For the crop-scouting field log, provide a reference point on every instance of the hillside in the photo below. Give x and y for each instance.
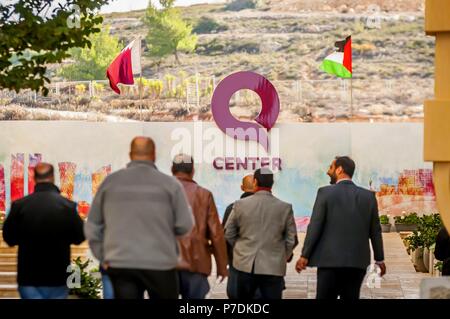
(286, 40)
(346, 5)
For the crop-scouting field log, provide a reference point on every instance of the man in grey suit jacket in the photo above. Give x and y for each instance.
(344, 219)
(261, 228)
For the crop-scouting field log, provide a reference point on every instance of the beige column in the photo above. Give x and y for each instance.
(437, 111)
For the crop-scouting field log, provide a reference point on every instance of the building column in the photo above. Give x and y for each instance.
(437, 111)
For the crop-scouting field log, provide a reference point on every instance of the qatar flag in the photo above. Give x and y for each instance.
(127, 63)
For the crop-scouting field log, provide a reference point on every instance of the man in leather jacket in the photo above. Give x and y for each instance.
(206, 238)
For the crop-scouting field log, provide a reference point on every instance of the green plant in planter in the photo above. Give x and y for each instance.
(90, 285)
(415, 240)
(429, 226)
(408, 219)
(438, 265)
(384, 219)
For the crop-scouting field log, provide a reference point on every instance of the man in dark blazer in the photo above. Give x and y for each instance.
(44, 225)
(344, 219)
(442, 250)
(247, 188)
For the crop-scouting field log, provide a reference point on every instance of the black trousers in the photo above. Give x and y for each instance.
(342, 282)
(132, 283)
(247, 285)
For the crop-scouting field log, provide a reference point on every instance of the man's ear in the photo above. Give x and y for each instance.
(242, 187)
(255, 184)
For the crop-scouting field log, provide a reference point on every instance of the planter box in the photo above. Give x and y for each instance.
(417, 258)
(386, 228)
(426, 259)
(405, 227)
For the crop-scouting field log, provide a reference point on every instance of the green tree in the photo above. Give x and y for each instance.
(35, 33)
(168, 33)
(90, 63)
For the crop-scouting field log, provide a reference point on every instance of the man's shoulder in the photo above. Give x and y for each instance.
(203, 191)
(256, 199)
(36, 199)
(366, 192)
(281, 203)
(158, 176)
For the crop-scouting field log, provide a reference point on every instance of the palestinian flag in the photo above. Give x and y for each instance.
(340, 62)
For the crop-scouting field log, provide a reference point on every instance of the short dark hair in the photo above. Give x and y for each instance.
(39, 176)
(182, 163)
(347, 164)
(264, 177)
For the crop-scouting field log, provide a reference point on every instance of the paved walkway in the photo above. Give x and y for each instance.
(401, 280)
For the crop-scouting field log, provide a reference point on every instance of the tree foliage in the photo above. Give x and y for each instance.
(90, 63)
(35, 33)
(168, 33)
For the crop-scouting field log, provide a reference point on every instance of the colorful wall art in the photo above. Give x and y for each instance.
(388, 157)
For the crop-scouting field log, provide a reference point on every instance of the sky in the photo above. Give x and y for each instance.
(128, 5)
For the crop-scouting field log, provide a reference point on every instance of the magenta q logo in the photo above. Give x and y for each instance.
(264, 121)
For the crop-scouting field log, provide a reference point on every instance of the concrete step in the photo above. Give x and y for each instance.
(12, 258)
(8, 278)
(8, 291)
(8, 250)
(8, 267)
(74, 249)
(8, 257)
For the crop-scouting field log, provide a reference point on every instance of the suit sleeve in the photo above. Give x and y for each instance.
(184, 220)
(375, 232)
(76, 227)
(232, 226)
(217, 237)
(11, 226)
(291, 233)
(95, 225)
(315, 227)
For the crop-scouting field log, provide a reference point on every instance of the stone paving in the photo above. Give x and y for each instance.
(400, 282)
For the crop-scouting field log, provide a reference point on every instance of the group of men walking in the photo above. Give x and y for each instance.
(156, 233)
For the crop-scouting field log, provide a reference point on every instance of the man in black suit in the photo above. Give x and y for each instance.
(247, 188)
(344, 219)
(44, 225)
(442, 250)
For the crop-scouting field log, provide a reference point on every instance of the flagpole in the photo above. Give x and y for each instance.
(140, 79)
(351, 97)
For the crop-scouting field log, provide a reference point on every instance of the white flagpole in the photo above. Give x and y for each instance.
(140, 79)
(351, 97)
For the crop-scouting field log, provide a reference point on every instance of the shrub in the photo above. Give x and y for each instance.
(384, 219)
(208, 25)
(99, 87)
(238, 5)
(80, 88)
(427, 230)
(155, 88)
(408, 219)
(90, 286)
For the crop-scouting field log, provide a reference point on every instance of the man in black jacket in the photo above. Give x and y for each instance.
(44, 225)
(344, 219)
(247, 188)
(442, 250)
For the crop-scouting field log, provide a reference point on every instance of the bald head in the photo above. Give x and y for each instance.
(44, 173)
(247, 184)
(142, 149)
